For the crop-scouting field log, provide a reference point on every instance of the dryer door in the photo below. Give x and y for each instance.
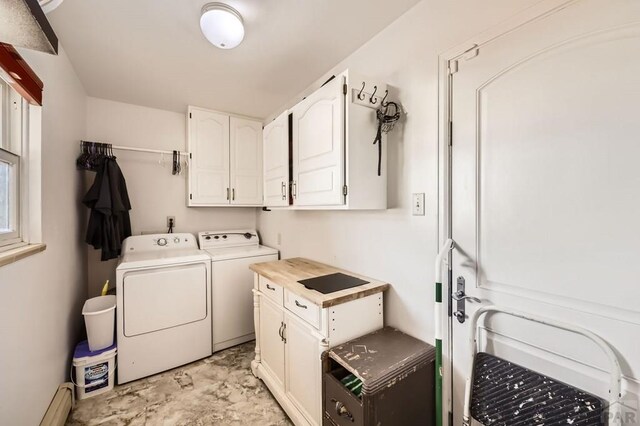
(164, 297)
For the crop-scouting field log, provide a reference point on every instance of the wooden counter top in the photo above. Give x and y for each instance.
(288, 272)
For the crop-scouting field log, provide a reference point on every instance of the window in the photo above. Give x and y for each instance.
(12, 109)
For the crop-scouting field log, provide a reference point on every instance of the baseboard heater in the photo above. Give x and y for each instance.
(60, 407)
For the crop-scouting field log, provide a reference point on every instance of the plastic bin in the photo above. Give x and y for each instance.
(99, 317)
(93, 370)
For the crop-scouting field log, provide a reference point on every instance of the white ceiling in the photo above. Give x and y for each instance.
(152, 53)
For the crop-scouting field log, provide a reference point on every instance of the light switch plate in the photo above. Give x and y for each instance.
(418, 204)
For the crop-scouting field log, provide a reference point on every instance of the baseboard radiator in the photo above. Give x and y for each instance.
(60, 407)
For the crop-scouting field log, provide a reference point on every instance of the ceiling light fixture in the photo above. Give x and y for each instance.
(222, 25)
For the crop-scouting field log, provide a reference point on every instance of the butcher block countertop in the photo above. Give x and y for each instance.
(288, 272)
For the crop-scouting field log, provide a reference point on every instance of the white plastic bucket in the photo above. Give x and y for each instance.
(94, 372)
(99, 317)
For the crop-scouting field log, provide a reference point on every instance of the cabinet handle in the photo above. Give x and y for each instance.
(227, 193)
(283, 190)
(280, 331)
(300, 305)
(341, 410)
(271, 288)
(233, 194)
(284, 330)
(295, 189)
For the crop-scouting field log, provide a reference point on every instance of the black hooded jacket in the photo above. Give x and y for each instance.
(108, 199)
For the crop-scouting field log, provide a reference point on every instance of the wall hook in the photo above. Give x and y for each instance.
(383, 103)
(360, 95)
(371, 99)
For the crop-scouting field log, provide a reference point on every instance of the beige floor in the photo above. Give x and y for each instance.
(219, 390)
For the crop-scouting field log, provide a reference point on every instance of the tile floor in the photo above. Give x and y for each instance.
(219, 390)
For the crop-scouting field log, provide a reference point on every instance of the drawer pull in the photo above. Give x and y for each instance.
(341, 410)
(270, 288)
(300, 305)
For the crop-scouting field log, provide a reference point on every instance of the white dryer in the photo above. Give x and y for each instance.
(163, 294)
(232, 283)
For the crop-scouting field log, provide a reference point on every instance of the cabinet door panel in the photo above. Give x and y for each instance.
(209, 166)
(318, 147)
(303, 380)
(246, 162)
(271, 345)
(276, 162)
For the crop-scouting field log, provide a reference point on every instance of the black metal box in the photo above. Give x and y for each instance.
(386, 378)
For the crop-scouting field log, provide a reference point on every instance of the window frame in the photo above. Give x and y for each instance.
(13, 151)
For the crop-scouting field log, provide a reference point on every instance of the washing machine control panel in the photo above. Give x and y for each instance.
(222, 239)
(159, 242)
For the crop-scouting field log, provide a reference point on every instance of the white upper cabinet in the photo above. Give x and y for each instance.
(318, 147)
(334, 163)
(209, 165)
(276, 162)
(246, 162)
(225, 166)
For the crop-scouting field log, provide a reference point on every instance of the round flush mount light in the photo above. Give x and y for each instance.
(48, 5)
(222, 25)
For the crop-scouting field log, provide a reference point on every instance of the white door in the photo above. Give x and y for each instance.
(545, 194)
(303, 376)
(209, 165)
(318, 147)
(271, 340)
(276, 161)
(246, 162)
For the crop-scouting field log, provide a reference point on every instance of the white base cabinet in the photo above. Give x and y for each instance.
(292, 333)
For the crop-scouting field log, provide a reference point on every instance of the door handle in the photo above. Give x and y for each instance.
(341, 410)
(460, 297)
(300, 305)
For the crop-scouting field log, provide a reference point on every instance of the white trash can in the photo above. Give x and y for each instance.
(99, 317)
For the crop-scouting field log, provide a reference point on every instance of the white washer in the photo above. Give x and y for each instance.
(163, 304)
(232, 283)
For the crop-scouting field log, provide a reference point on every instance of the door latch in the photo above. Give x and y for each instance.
(460, 297)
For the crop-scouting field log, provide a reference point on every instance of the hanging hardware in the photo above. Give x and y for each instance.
(360, 95)
(383, 103)
(371, 99)
(91, 152)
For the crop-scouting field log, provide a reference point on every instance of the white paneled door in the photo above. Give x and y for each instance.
(246, 161)
(318, 147)
(545, 193)
(209, 148)
(276, 161)
(271, 339)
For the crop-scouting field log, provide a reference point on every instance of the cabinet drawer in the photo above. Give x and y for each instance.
(302, 308)
(272, 290)
(340, 405)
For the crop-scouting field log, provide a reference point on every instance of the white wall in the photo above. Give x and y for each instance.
(41, 296)
(392, 245)
(154, 192)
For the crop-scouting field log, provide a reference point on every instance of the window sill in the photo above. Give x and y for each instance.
(13, 255)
